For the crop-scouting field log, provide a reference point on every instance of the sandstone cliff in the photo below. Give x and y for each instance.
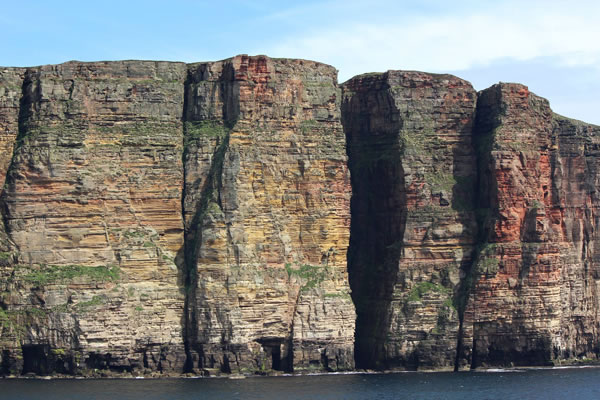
(170, 217)
(473, 225)
(231, 216)
(413, 227)
(92, 206)
(535, 289)
(267, 217)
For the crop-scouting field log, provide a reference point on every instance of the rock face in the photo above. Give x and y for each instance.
(11, 80)
(231, 216)
(267, 217)
(413, 225)
(166, 217)
(473, 225)
(92, 205)
(535, 293)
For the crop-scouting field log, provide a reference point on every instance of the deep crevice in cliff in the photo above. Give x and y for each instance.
(487, 121)
(193, 243)
(210, 193)
(482, 141)
(25, 102)
(378, 219)
(187, 270)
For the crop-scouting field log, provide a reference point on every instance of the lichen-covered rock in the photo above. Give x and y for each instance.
(267, 217)
(413, 222)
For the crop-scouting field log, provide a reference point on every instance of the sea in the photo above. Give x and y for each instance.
(505, 384)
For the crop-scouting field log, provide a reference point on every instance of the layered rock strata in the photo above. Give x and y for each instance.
(11, 81)
(535, 294)
(267, 216)
(212, 218)
(92, 206)
(166, 217)
(413, 223)
(473, 226)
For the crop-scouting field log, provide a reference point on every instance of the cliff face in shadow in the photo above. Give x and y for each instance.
(251, 215)
(413, 222)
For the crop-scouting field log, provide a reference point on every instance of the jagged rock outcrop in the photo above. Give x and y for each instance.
(210, 218)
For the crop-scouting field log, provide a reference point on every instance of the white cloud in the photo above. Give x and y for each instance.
(569, 33)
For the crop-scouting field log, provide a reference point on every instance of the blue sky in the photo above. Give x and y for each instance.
(552, 46)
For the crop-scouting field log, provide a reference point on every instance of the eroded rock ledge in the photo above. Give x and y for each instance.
(212, 218)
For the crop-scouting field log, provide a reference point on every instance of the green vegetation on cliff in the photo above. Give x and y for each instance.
(45, 275)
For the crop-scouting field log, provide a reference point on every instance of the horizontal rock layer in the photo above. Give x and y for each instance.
(413, 222)
(170, 217)
(535, 294)
(214, 217)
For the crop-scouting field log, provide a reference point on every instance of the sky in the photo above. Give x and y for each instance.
(551, 46)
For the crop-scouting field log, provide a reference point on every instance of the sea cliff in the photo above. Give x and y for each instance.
(252, 215)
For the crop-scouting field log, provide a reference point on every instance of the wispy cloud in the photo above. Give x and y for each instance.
(519, 31)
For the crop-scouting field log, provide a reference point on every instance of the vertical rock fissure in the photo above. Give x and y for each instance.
(486, 123)
(196, 130)
(11, 361)
(481, 140)
(468, 270)
(24, 115)
(193, 243)
(378, 218)
(289, 360)
(186, 272)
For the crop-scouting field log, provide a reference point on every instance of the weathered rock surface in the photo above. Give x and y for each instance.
(211, 218)
(11, 80)
(267, 217)
(413, 225)
(92, 203)
(535, 294)
(453, 264)
(166, 217)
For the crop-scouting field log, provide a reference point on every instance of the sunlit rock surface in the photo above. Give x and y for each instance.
(252, 216)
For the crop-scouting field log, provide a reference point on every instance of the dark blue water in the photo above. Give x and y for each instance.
(579, 384)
